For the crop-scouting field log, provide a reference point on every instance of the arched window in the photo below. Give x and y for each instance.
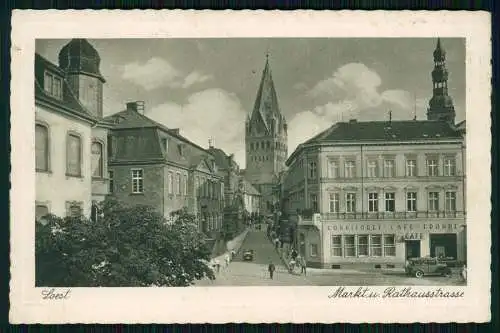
(97, 159)
(41, 148)
(74, 155)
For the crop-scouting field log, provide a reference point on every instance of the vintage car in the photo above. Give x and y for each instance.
(248, 255)
(420, 267)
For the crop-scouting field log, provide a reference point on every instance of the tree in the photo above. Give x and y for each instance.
(127, 247)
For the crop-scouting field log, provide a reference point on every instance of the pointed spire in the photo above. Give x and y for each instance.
(439, 52)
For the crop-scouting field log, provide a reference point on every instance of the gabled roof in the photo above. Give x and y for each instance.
(69, 101)
(266, 102)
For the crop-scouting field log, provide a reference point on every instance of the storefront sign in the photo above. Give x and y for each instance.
(413, 236)
(393, 227)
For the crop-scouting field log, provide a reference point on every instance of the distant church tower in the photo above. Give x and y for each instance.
(441, 105)
(265, 140)
(81, 63)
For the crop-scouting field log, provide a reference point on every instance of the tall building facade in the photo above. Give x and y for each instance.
(266, 141)
(70, 133)
(378, 192)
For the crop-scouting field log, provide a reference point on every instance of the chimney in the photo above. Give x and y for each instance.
(210, 143)
(176, 131)
(137, 106)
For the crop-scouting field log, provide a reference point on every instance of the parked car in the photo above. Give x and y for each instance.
(420, 267)
(248, 255)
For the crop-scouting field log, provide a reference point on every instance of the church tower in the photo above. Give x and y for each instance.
(265, 139)
(81, 63)
(441, 105)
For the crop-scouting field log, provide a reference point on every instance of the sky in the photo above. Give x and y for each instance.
(207, 87)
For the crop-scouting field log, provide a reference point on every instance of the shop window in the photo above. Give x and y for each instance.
(362, 245)
(349, 169)
(376, 245)
(373, 202)
(389, 246)
(390, 201)
(450, 201)
(349, 248)
(433, 201)
(333, 168)
(314, 250)
(411, 201)
(350, 202)
(334, 202)
(137, 181)
(389, 168)
(411, 168)
(449, 166)
(372, 169)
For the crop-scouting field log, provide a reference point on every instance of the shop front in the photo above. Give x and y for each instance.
(391, 242)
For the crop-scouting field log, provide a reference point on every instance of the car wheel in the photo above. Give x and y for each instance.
(419, 274)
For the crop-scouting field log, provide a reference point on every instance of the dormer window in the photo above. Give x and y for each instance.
(53, 85)
(164, 143)
(181, 149)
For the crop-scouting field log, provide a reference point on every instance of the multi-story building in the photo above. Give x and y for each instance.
(251, 198)
(154, 165)
(228, 169)
(381, 191)
(265, 141)
(70, 135)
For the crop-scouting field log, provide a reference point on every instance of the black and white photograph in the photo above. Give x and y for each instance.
(185, 163)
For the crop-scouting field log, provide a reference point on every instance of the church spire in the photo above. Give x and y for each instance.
(441, 105)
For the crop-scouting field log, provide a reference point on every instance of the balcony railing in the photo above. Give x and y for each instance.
(392, 215)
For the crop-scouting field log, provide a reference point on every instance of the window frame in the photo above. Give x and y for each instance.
(375, 246)
(434, 200)
(371, 168)
(412, 166)
(450, 169)
(311, 252)
(102, 162)
(388, 200)
(334, 202)
(312, 169)
(74, 134)
(373, 201)
(435, 167)
(366, 245)
(334, 246)
(333, 168)
(449, 200)
(349, 247)
(350, 204)
(47, 146)
(411, 200)
(389, 162)
(391, 246)
(349, 169)
(139, 179)
(53, 78)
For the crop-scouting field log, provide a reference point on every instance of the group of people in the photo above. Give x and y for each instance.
(215, 264)
(296, 260)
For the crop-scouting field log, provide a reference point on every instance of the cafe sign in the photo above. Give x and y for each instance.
(412, 229)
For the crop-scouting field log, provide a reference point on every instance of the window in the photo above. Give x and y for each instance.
(314, 250)
(170, 183)
(164, 144)
(334, 202)
(349, 249)
(74, 155)
(450, 201)
(376, 245)
(389, 246)
(312, 170)
(390, 201)
(373, 202)
(314, 203)
(181, 149)
(75, 209)
(449, 166)
(41, 211)
(333, 169)
(411, 168)
(185, 182)
(111, 183)
(349, 169)
(432, 167)
(178, 184)
(433, 201)
(350, 202)
(336, 246)
(97, 159)
(41, 148)
(362, 245)
(372, 169)
(389, 168)
(411, 201)
(137, 181)
(53, 85)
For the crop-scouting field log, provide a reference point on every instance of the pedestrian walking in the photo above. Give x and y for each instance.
(217, 265)
(276, 243)
(271, 268)
(227, 258)
(303, 265)
(232, 254)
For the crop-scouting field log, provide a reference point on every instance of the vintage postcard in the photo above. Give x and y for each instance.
(307, 166)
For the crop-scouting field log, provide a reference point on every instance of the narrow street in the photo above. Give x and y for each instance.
(254, 273)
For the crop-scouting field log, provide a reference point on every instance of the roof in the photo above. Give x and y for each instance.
(69, 101)
(221, 158)
(79, 56)
(406, 130)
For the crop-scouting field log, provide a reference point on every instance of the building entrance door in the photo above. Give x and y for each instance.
(412, 248)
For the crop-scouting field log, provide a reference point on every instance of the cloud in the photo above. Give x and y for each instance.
(352, 91)
(211, 113)
(158, 72)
